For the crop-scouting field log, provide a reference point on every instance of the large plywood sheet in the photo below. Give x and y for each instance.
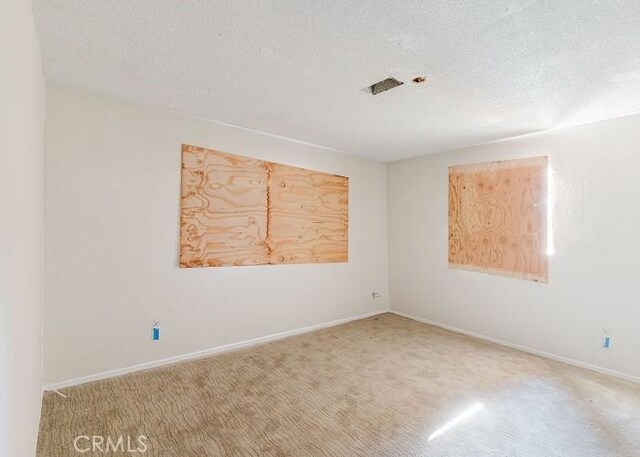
(309, 216)
(498, 218)
(241, 211)
(223, 211)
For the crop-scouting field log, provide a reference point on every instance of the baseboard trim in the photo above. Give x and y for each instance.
(204, 352)
(529, 350)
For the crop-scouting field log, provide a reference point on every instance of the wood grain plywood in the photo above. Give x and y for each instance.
(498, 218)
(223, 209)
(309, 215)
(241, 211)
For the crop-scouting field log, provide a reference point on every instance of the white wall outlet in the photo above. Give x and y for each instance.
(375, 295)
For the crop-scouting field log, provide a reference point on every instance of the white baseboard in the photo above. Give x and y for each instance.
(547, 355)
(204, 352)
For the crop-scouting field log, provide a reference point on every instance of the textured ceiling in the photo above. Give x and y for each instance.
(495, 68)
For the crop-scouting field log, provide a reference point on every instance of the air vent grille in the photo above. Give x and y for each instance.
(384, 85)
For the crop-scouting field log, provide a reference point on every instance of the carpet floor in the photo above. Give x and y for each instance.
(382, 386)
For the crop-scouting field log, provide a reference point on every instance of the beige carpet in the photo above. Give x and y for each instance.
(383, 386)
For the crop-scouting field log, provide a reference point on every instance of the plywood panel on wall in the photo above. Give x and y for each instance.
(309, 215)
(498, 217)
(223, 217)
(241, 211)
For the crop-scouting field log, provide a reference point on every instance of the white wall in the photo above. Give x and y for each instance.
(21, 229)
(112, 229)
(594, 273)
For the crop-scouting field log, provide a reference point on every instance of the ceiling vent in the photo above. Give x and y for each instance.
(384, 85)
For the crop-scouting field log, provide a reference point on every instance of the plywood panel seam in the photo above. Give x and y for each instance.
(267, 240)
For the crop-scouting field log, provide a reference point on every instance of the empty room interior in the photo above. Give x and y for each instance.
(270, 228)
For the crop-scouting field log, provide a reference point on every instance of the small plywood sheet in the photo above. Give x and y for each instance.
(498, 218)
(241, 211)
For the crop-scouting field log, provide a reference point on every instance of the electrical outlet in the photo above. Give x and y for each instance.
(375, 295)
(606, 341)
